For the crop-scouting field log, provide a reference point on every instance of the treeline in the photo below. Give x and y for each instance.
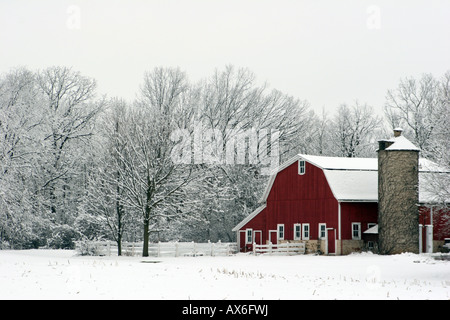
(74, 165)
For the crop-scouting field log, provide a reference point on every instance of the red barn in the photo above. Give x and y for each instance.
(331, 204)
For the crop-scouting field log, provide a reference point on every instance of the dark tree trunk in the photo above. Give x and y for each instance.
(149, 195)
(146, 237)
(119, 245)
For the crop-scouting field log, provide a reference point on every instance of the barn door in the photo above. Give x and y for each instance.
(258, 236)
(331, 241)
(273, 236)
(242, 240)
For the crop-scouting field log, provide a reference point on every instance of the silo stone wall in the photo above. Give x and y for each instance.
(398, 198)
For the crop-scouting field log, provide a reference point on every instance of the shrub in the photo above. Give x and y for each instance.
(86, 247)
(63, 237)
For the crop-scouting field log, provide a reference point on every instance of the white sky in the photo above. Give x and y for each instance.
(326, 52)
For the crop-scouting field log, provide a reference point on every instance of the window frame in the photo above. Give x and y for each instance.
(320, 237)
(306, 231)
(358, 237)
(247, 236)
(280, 236)
(299, 237)
(301, 167)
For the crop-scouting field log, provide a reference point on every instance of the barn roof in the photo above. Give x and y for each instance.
(356, 179)
(248, 218)
(341, 163)
(372, 230)
(350, 185)
(350, 179)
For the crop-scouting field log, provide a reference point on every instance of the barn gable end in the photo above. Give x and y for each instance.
(300, 198)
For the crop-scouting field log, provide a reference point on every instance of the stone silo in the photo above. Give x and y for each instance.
(398, 195)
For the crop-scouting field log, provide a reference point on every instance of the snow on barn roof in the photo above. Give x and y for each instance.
(356, 179)
(353, 185)
(372, 230)
(341, 163)
(428, 166)
(350, 179)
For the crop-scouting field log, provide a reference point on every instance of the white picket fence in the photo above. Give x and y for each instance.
(157, 249)
(281, 248)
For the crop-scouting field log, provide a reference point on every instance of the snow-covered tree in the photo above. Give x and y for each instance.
(153, 183)
(105, 194)
(415, 106)
(20, 122)
(422, 107)
(354, 130)
(243, 116)
(68, 109)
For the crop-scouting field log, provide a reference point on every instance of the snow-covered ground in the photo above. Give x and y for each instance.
(57, 274)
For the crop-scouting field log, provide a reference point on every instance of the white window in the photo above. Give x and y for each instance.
(301, 167)
(356, 230)
(305, 235)
(249, 236)
(297, 231)
(322, 230)
(280, 233)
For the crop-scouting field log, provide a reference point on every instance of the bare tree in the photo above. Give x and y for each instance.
(153, 183)
(244, 114)
(19, 130)
(233, 102)
(440, 139)
(106, 194)
(69, 111)
(315, 139)
(438, 182)
(353, 130)
(415, 106)
(18, 116)
(422, 107)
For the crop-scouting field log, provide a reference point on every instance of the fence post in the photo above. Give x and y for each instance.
(270, 247)
(176, 248)
(219, 243)
(158, 250)
(254, 248)
(211, 249)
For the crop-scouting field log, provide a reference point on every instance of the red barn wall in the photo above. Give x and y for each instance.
(441, 227)
(307, 198)
(363, 212)
(296, 198)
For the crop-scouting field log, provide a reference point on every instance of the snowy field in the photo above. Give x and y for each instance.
(57, 274)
